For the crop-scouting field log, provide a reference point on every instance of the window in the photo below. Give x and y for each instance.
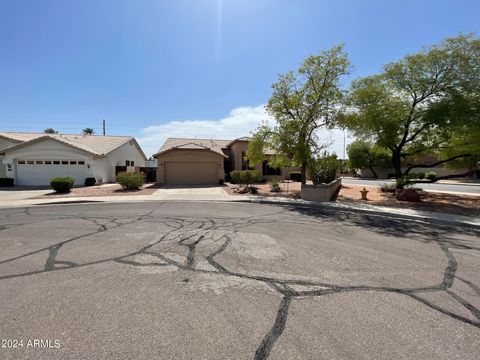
(127, 162)
(48, 162)
(244, 162)
(21, 162)
(268, 170)
(56, 162)
(39, 162)
(73, 163)
(64, 162)
(81, 162)
(30, 162)
(132, 163)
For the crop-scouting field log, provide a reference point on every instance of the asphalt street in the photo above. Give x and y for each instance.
(451, 188)
(204, 280)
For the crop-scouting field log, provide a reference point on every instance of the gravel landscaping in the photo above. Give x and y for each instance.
(102, 190)
(429, 201)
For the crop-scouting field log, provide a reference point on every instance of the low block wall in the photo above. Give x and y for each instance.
(320, 192)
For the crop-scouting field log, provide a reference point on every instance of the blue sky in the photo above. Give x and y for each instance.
(154, 69)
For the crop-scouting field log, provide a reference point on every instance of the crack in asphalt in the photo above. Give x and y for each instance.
(192, 232)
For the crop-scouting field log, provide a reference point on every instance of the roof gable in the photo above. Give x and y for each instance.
(94, 144)
(215, 146)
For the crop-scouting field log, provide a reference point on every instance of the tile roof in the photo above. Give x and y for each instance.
(95, 144)
(191, 144)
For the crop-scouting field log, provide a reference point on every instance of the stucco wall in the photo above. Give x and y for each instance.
(95, 167)
(383, 173)
(105, 167)
(188, 156)
(3, 167)
(46, 150)
(236, 150)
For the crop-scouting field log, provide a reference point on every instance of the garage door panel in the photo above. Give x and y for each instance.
(191, 173)
(31, 175)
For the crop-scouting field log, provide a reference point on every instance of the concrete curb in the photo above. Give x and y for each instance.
(377, 210)
(382, 210)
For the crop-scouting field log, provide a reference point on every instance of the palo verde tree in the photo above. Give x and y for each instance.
(302, 102)
(425, 104)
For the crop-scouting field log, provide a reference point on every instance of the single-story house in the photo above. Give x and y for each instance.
(34, 158)
(182, 161)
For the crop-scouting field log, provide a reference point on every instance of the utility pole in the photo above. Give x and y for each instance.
(103, 127)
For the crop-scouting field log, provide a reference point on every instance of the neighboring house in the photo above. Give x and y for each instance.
(184, 161)
(34, 158)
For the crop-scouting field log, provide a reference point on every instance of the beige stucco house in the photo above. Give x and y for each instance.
(183, 161)
(34, 158)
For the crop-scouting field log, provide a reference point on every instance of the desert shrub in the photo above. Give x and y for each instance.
(295, 176)
(412, 175)
(245, 177)
(90, 181)
(402, 182)
(62, 184)
(130, 180)
(388, 188)
(421, 175)
(407, 195)
(250, 177)
(431, 175)
(275, 185)
(323, 170)
(6, 182)
(235, 176)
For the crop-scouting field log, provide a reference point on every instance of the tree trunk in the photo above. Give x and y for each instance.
(396, 163)
(375, 176)
(303, 172)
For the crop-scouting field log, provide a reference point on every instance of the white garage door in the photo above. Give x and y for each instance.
(39, 172)
(191, 173)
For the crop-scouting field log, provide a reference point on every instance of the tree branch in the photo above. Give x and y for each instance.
(436, 163)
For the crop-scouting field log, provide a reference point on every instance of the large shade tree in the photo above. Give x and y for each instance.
(301, 103)
(425, 104)
(364, 155)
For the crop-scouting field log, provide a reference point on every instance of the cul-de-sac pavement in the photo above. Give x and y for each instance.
(206, 280)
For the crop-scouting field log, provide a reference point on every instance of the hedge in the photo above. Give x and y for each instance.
(62, 184)
(130, 180)
(245, 177)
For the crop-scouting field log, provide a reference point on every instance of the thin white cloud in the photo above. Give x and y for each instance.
(241, 121)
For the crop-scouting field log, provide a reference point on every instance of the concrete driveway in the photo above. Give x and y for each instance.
(22, 193)
(173, 280)
(190, 193)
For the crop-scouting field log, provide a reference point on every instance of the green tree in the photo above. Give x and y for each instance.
(88, 131)
(364, 155)
(302, 102)
(50, 131)
(424, 104)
